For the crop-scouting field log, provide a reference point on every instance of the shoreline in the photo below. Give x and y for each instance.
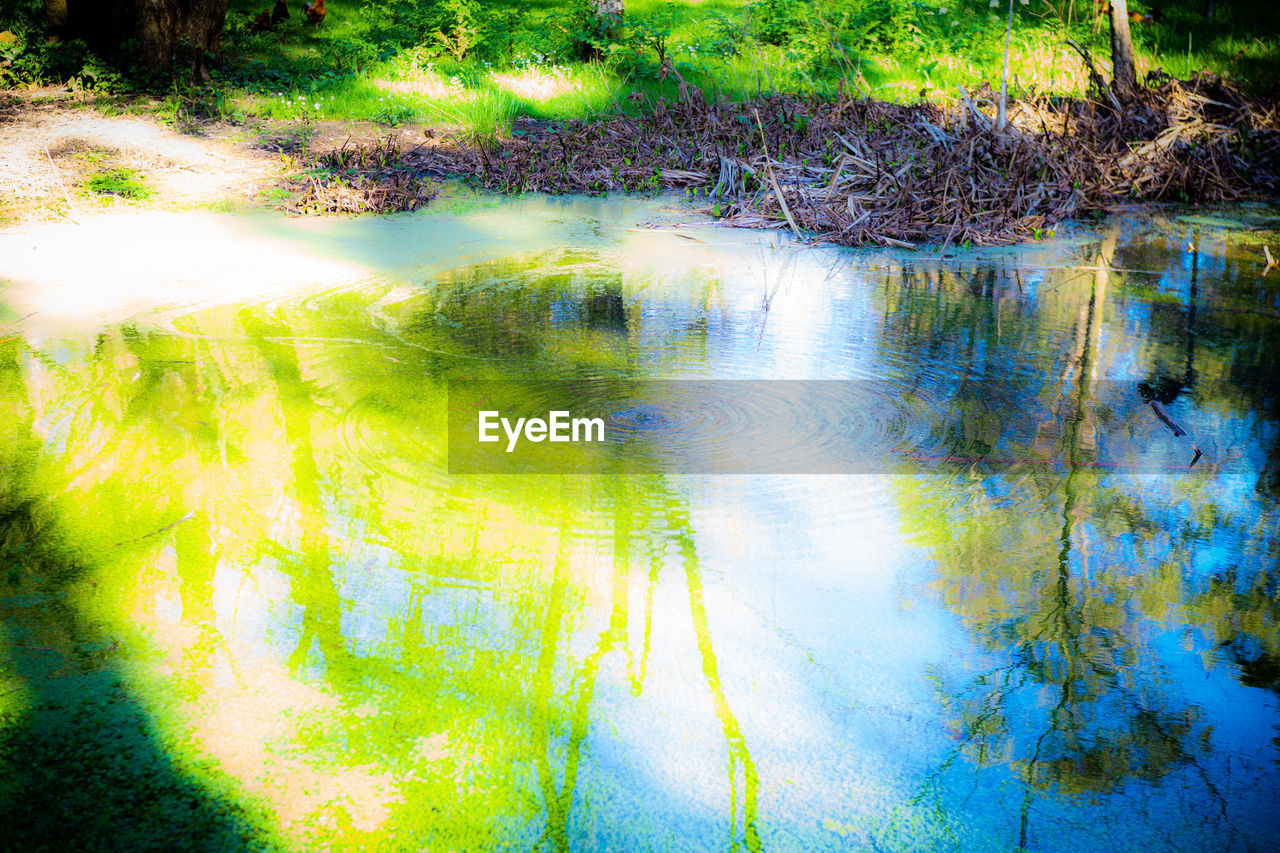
(859, 172)
(850, 172)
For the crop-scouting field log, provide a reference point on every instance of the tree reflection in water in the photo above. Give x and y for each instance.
(1083, 705)
(386, 657)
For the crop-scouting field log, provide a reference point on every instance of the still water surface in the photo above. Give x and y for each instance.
(244, 602)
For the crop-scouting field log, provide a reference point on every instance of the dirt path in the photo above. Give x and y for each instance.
(50, 145)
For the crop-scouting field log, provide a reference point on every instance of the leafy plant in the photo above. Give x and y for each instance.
(353, 54)
(777, 21)
(463, 27)
(594, 34)
(646, 37)
(394, 114)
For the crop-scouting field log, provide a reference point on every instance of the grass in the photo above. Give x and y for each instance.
(122, 182)
(464, 94)
(717, 45)
(402, 61)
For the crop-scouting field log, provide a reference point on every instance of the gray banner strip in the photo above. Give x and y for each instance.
(593, 426)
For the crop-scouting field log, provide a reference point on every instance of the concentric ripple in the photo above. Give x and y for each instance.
(781, 427)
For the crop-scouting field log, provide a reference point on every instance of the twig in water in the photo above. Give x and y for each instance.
(777, 191)
(1178, 431)
(1163, 415)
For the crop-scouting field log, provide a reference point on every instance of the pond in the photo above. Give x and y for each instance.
(249, 600)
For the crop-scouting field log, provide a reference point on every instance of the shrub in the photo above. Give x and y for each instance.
(778, 21)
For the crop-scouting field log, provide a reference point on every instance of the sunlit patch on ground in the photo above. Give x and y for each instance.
(46, 151)
(537, 84)
(428, 84)
(112, 270)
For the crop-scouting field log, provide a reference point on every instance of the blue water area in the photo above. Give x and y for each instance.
(986, 598)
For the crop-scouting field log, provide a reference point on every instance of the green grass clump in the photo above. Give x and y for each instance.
(122, 182)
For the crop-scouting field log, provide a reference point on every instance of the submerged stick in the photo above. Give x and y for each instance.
(1178, 431)
(1163, 415)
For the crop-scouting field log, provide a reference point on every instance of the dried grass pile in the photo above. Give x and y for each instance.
(362, 178)
(1198, 140)
(855, 171)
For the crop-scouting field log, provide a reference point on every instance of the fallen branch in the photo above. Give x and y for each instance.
(1094, 76)
(1163, 415)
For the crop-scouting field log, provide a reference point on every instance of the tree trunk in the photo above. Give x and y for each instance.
(1123, 70)
(165, 26)
(610, 8)
(204, 32)
(610, 12)
(56, 11)
(603, 19)
(157, 24)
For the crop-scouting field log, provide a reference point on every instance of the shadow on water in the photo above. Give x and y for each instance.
(82, 765)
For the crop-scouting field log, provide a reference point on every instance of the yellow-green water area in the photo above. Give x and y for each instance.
(245, 605)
